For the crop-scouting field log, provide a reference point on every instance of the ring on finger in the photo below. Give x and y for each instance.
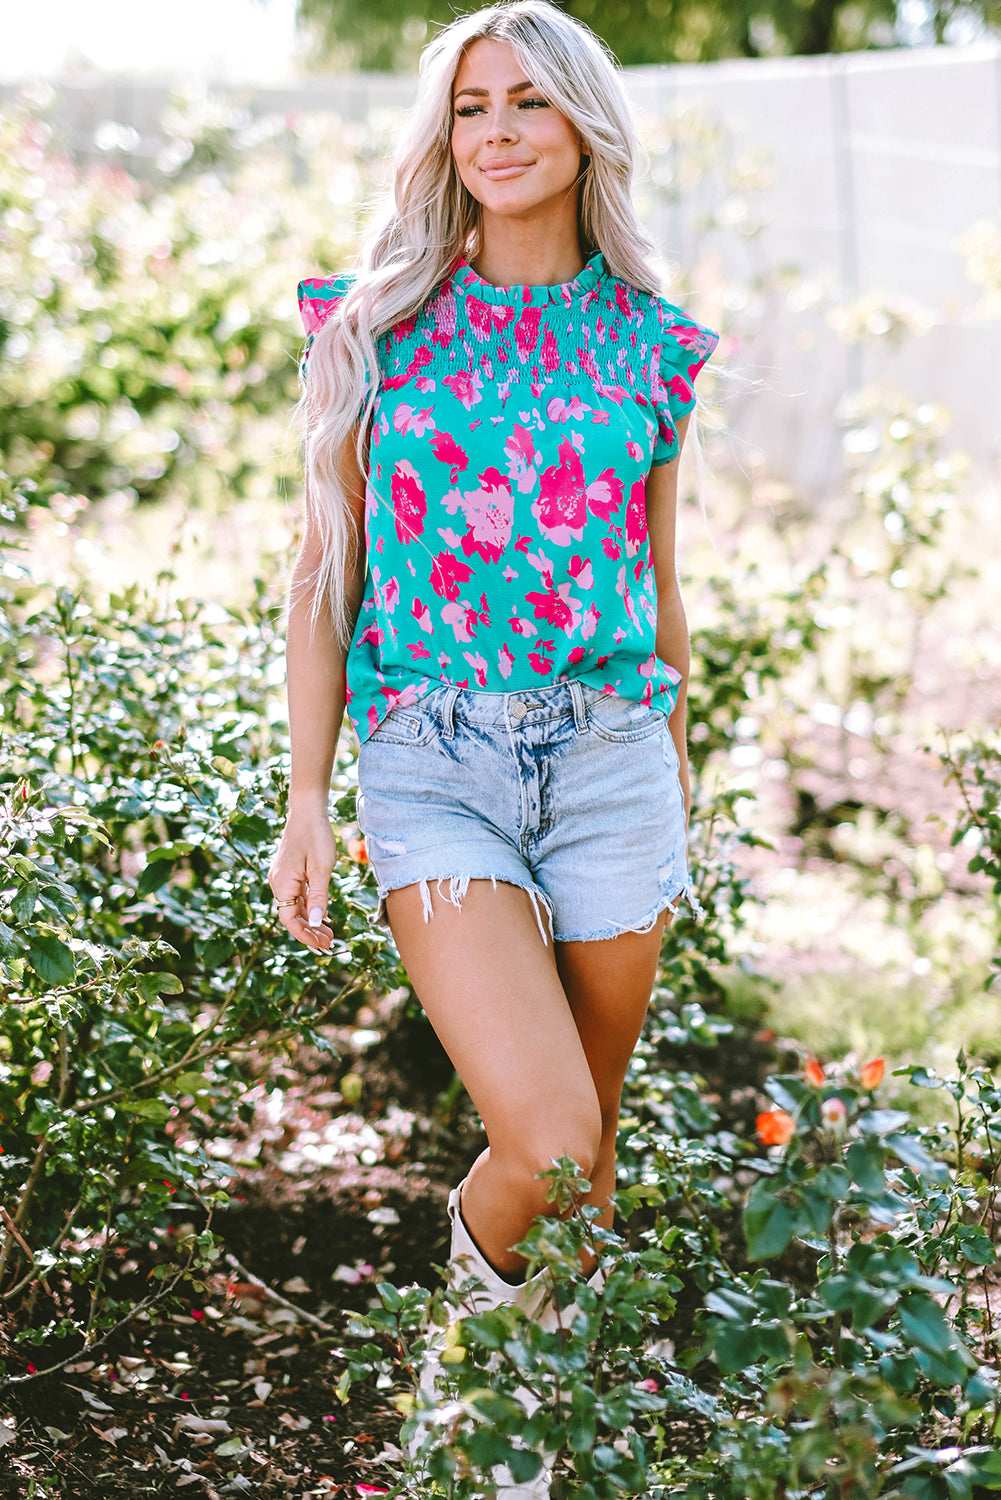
(294, 902)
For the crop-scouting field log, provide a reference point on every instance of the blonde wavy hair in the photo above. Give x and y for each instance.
(433, 220)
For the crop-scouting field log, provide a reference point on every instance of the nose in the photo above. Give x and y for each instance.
(500, 128)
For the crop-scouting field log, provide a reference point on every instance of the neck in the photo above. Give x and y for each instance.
(513, 253)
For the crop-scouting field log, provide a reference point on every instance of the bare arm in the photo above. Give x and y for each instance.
(315, 663)
(672, 644)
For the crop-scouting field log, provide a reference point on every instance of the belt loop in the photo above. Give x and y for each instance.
(448, 713)
(579, 706)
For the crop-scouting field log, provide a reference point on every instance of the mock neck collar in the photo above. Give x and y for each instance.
(465, 280)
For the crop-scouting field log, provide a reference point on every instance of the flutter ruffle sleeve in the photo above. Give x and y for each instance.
(684, 348)
(318, 298)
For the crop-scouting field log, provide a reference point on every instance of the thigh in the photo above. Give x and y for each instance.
(490, 987)
(608, 986)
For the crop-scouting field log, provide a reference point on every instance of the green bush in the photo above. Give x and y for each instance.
(142, 780)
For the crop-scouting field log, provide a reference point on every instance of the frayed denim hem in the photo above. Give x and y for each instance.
(645, 924)
(453, 888)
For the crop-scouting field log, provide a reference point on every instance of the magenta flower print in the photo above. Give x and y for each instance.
(580, 569)
(557, 607)
(636, 528)
(542, 664)
(554, 404)
(561, 509)
(526, 331)
(447, 574)
(604, 496)
(465, 386)
(489, 513)
(409, 501)
(559, 410)
(406, 419)
(447, 451)
(485, 317)
(521, 459)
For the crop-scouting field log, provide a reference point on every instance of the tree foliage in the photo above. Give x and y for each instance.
(387, 35)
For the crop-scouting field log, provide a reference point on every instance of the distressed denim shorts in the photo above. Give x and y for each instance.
(568, 792)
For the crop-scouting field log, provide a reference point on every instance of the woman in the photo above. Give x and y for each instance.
(487, 582)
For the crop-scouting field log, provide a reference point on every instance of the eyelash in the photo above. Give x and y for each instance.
(466, 111)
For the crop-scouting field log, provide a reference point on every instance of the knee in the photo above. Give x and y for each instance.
(575, 1133)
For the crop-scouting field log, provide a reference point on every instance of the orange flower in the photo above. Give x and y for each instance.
(872, 1073)
(775, 1127)
(357, 850)
(814, 1073)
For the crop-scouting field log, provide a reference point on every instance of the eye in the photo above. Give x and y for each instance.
(464, 111)
(533, 104)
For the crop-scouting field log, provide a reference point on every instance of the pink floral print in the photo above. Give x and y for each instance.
(505, 518)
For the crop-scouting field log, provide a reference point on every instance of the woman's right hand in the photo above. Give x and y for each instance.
(300, 876)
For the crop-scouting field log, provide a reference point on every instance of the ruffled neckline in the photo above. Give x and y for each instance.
(465, 279)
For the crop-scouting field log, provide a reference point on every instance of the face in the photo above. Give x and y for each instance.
(517, 155)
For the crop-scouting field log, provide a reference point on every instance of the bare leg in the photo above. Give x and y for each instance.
(608, 985)
(491, 991)
(541, 1074)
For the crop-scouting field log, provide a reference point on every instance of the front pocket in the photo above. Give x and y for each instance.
(405, 726)
(622, 719)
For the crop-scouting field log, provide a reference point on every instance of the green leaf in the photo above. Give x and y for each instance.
(158, 983)
(154, 1110)
(51, 959)
(23, 904)
(768, 1223)
(914, 1155)
(865, 1163)
(154, 876)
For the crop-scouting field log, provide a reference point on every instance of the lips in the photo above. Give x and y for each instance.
(499, 167)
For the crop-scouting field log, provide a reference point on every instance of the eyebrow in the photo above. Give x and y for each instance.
(516, 88)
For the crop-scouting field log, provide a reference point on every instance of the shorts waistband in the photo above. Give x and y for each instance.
(526, 706)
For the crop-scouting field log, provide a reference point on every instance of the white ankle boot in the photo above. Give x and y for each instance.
(465, 1264)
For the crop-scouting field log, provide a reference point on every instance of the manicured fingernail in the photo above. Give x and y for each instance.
(315, 917)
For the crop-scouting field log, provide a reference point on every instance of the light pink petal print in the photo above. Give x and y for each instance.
(521, 459)
(604, 496)
(457, 616)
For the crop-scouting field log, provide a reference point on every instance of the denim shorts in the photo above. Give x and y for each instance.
(568, 792)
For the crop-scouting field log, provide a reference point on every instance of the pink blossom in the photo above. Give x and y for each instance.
(409, 501)
(550, 353)
(406, 419)
(580, 569)
(457, 615)
(636, 527)
(562, 411)
(576, 655)
(418, 650)
(465, 386)
(589, 623)
(542, 664)
(505, 661)
(522, 627)
(561, 509)
(489, 513)
(447, 451)
(526, 331)
(479, 666)
(557, 607)
(447, 574)
(422, 615)
(521, 458)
